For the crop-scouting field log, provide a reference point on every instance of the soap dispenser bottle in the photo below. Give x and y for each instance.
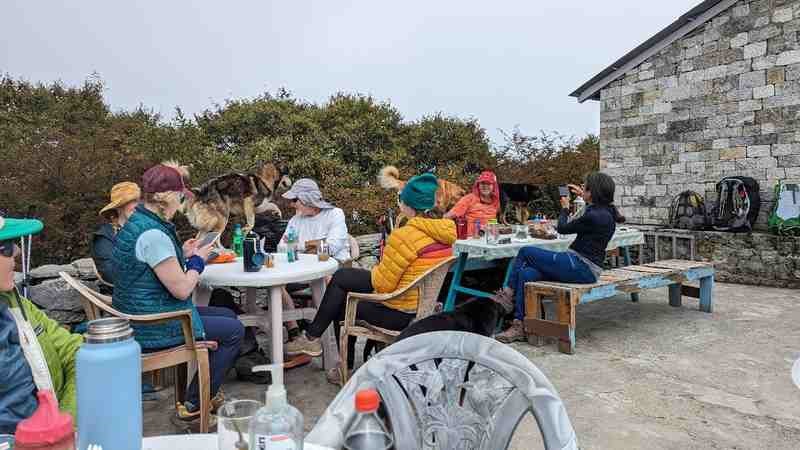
(278, 425)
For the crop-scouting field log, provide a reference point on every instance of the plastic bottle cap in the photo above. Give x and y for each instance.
(47, 425)
(367, 400)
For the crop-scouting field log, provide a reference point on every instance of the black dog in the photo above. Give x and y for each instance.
(476, 315)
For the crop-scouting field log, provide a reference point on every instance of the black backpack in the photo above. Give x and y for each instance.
(688, 211)
(737, 206)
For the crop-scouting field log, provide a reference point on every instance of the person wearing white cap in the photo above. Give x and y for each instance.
(316, 219)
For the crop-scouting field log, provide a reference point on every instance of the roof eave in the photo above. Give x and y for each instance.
(684, 25)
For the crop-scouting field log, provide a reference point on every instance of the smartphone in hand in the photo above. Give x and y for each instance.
(563, 191)
(209, 238)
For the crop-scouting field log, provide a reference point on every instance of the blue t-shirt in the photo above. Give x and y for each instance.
(17, 389)
(153, 247)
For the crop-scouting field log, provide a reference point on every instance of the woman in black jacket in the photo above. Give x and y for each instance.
(124, 198)
(582, 262)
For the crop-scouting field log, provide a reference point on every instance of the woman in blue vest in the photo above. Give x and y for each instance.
(154, 273)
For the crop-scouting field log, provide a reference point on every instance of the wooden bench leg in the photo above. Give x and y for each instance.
(675, 294)
(565, 314)
(707, 294)
(626, 254)
(533, 309)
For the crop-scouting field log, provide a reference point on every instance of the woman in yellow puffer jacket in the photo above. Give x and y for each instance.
(411, 250)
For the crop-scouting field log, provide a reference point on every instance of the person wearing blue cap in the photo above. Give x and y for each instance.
(35, 351)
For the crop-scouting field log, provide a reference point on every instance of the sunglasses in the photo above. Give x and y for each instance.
(7, 248)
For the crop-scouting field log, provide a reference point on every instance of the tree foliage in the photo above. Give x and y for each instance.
(62, 148)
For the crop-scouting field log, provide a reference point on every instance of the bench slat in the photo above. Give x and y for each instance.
(679, 264)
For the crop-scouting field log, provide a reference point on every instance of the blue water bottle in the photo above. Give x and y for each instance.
(109, 383)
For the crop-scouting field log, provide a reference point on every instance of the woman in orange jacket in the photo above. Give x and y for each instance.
(480, 205)
(411, 250)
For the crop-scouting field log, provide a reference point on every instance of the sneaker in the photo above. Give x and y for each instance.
(302, 345)
(190, 420)
(514, 333)
(218, 400)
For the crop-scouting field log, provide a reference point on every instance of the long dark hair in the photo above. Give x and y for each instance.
(602, 188)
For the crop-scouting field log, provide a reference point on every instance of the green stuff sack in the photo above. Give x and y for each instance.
(785, 217)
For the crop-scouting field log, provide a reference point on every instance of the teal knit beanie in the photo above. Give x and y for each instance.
(420, 192)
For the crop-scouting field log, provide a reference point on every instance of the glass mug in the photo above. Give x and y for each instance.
(323, 251)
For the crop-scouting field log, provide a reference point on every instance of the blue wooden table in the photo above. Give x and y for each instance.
(475, 254)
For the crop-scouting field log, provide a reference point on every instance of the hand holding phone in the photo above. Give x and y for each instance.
(563, 191)
(210, 238)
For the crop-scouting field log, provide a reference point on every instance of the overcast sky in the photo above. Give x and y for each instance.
(505, 63)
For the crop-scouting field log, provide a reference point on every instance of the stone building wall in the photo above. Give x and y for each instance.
(723, 100)
(761, 259)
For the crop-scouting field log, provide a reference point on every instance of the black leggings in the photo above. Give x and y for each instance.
(331, 310)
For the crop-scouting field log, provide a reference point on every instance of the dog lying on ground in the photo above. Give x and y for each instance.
(477, 315)
(235, 194)
(446, 196)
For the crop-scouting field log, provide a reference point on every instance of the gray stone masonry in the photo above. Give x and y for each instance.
(721, 101)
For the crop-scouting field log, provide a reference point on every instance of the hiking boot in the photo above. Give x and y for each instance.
(505, 297)
(302, 345)
(514, 333)
(334, 375)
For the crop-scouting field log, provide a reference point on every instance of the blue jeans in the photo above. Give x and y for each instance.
(222, 326)
(536, 264)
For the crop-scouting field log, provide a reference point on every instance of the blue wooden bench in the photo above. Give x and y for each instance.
(672, 273)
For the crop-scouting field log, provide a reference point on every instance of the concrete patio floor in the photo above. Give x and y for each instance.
(643, 376)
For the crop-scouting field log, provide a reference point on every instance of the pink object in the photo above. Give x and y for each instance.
(47, 428)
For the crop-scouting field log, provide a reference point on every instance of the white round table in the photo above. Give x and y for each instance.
(308, 269)
(195, 442)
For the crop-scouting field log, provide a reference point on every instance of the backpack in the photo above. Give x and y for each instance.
(785, 217)
(737, 204)
(688, 211)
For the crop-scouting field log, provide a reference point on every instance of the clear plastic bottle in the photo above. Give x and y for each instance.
(238, 240)
(367, 431)
(291, 245)
(278, 425)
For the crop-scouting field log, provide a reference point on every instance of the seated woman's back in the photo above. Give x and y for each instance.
(410, 251)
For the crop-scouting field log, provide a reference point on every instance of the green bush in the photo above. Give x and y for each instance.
(62, 148)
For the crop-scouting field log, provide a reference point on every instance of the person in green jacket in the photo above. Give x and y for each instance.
(29, 340)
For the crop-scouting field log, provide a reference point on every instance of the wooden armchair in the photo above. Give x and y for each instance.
(428, 285)
(95, 304)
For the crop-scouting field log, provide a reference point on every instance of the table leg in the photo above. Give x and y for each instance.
(250, 306)
(626, 253)
(201, 295)
(330, 354)
(458, 270)
(509, 269)
(276, 311)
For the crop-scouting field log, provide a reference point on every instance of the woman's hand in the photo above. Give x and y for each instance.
(564, 202)
(190, 248)
(203, 252)
(577, 190)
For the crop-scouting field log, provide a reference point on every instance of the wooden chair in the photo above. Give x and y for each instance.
(96, 304)
(428, 285)
(451, 389)
(156, 374)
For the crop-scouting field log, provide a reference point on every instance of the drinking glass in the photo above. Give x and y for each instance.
(233, 423)
(522, 232)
